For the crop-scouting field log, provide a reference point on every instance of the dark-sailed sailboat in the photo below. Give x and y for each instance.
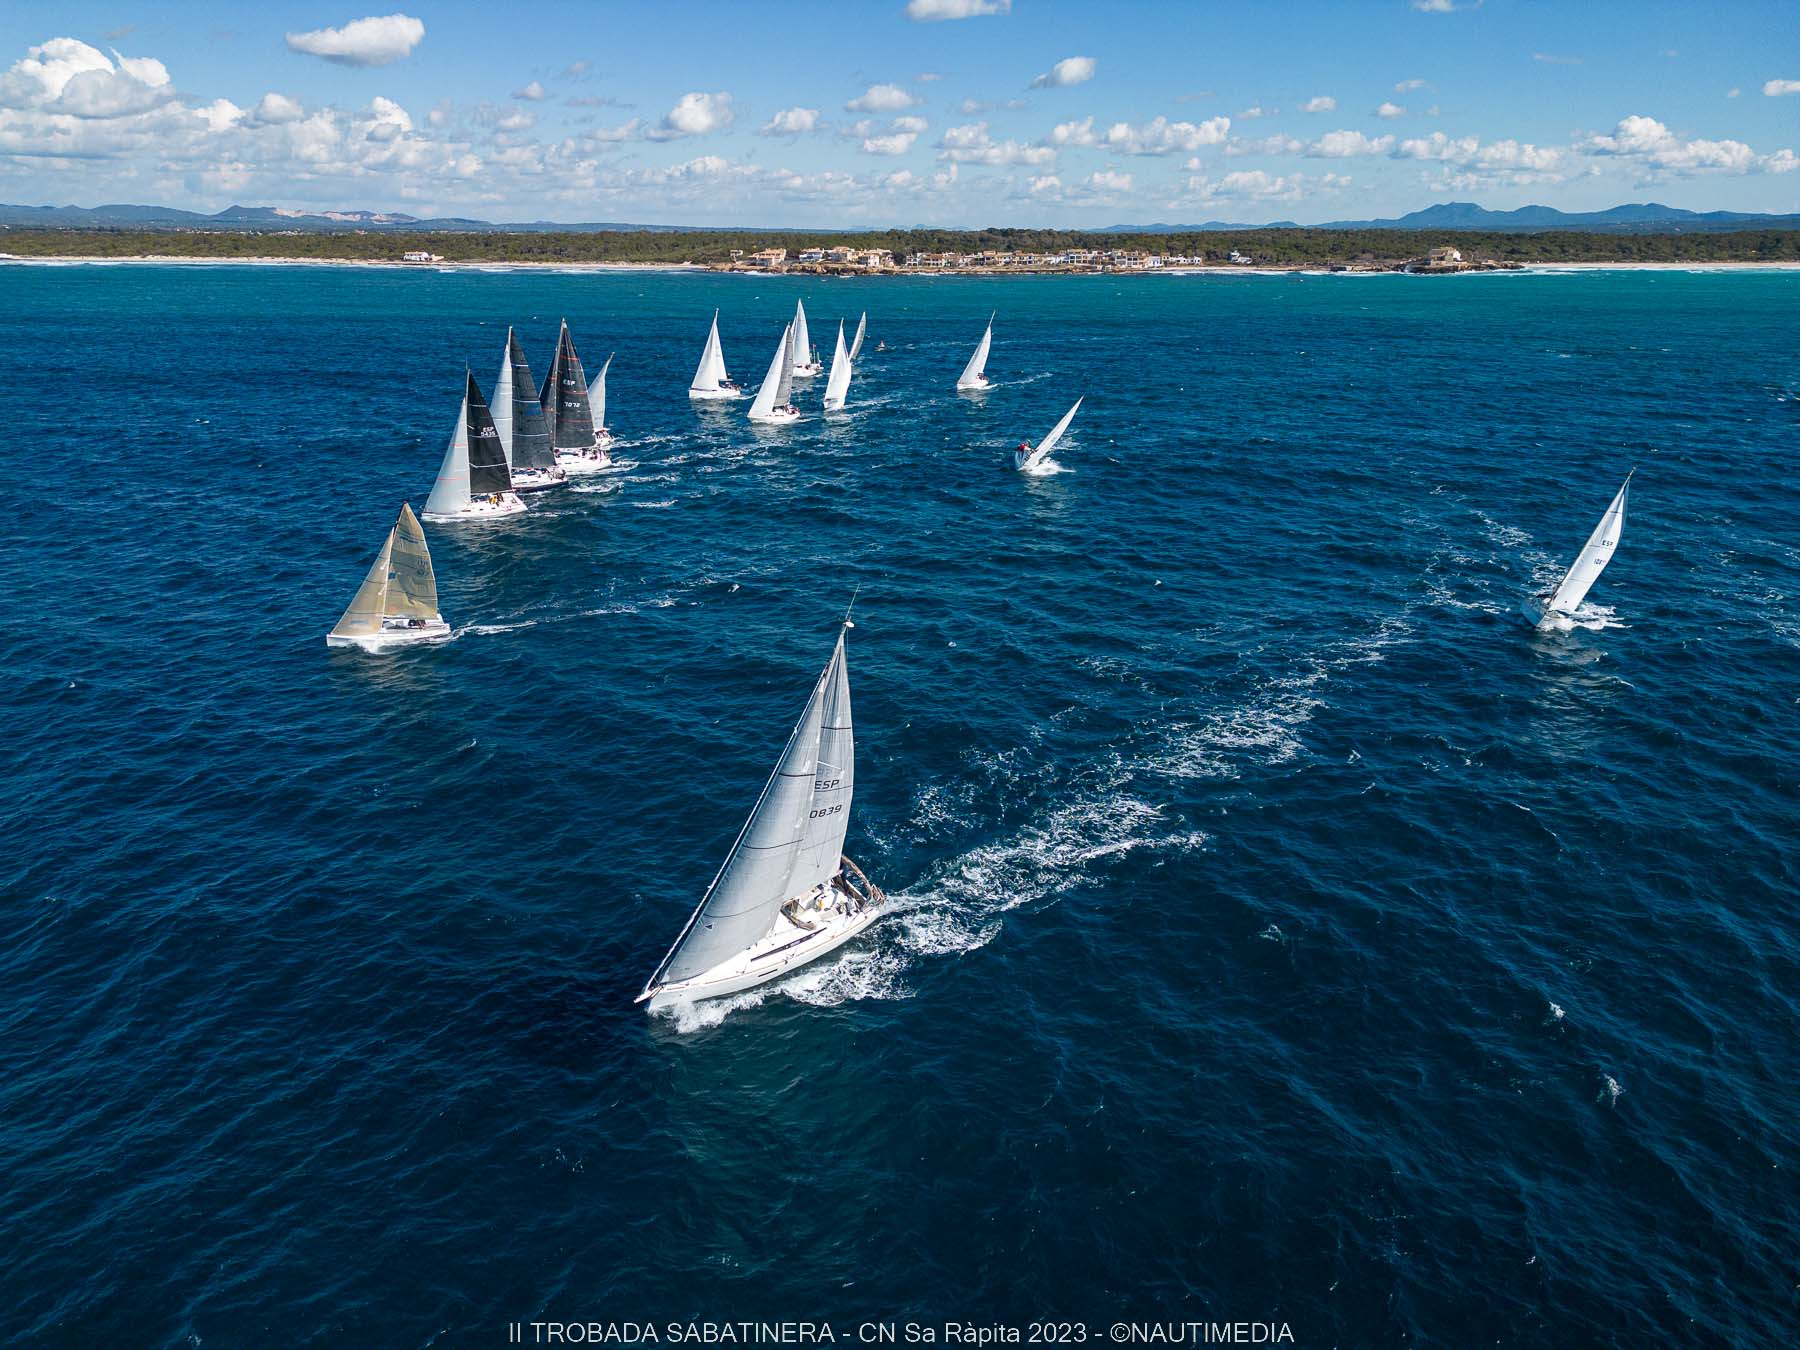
(568, 412)
(524, 430)
(473, 482)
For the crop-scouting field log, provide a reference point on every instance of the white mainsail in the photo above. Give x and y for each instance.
(400, 584)
(1045, 446)
(862, 328)
(780, 373)
(802, 335)
(1594, 556)
(974, 374)
(501, 405)
(451, 491)
(791, 842)
(710, 374)
(597, 395)
(839, 383)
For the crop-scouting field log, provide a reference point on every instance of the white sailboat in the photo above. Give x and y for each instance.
(774, 401)
(1028, 456)
(1555, 609)
(579, 449)
(839, 383)
(974, 374)
(786, 895)
(806, 360)
(862, 328)
(519, 418)
(710, 380)
(473, 482)
(397, 603)
(603, 436)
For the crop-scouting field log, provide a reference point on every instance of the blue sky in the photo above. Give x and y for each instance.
(901, 112)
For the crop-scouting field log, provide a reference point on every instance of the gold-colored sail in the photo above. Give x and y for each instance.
(400, 583)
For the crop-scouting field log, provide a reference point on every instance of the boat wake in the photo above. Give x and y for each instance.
(1044, 468)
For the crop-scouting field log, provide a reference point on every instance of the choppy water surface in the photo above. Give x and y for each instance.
(1282, 931)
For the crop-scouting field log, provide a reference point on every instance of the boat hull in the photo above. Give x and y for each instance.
(538, 480)
(778, 417)
(434, 630)
(808, 371)
(1544, 619)
(481, 508)
(583, 463)
(714, 395)
(760, 966)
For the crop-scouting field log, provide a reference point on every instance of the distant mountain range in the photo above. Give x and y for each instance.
(1634, 218)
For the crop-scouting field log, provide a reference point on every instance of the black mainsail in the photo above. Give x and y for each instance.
(487, 457)
(531, 447)
(565, 398)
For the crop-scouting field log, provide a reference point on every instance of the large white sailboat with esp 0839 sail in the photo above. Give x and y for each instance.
(787, 894)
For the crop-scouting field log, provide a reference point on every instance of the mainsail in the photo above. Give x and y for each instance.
(784, 392)
(565, 398)
(973, 373)
(791, 842)
(1045, 446)
(518, 415)
(597, 395)
(400, 584)
(802, 336)
(487, 457)
(862, 327)
(451, 491)
(1594, 556)
(710, 374)
(779, 379)
(839, 383)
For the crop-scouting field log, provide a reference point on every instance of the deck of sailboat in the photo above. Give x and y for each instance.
(429, 630)
(834, 915)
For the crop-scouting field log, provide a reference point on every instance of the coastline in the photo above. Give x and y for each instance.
(1222, 269)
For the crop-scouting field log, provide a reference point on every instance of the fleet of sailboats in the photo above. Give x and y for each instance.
(786, 893)
(519, 418)
(397, 604)
(974, 374)
(1555, 609)
(473, 482)
(1028, 456)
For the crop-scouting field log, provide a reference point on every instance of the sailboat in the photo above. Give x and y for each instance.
(839, 383)
(519, 418)
(1555, 609)
(398, 602)
(774, 401)
(1029, 456)
(974, 374)
(473, 482)
(786, 894)
(862, 329)
(806, 360)
(710, 379)
(565, 401)
(603, 436)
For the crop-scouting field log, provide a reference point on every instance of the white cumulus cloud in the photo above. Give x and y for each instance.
(792, 122)
(1779, 88)
(1108, 181)
(362, 42)
(532, 93)
(277, 110)
(1072, 70)
(1390, 110)
(67, 76)
(932, 11)
(894, 143)
(1348, 145)
(1651, 144)
(1159, 136)
(971, 144)
(696, 114)
(1323, 103)
(880, 98)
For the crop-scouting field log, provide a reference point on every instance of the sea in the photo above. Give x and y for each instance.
(1282, 934)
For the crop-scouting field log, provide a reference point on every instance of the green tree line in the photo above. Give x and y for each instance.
(1278, 247)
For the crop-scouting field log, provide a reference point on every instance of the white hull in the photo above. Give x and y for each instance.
(497, 507)
(714, 395)
(977, 386)
(1545, 619)
(583, 463)
(809, 370)
(787, 947)
(777, 416)
(432, 630)
(538, 480)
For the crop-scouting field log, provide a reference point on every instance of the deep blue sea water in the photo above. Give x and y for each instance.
(1283, 931)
